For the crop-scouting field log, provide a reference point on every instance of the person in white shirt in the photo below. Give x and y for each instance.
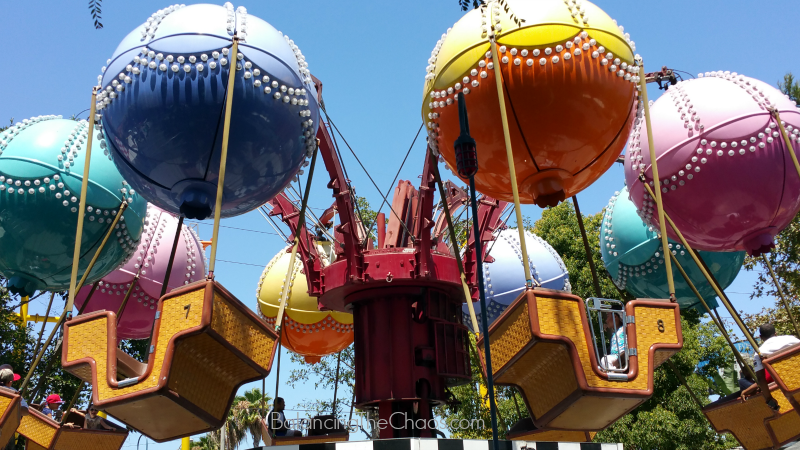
(770, 345)
(277, 422)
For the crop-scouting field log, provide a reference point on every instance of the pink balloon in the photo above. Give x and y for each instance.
(727, 177)
(150, 261)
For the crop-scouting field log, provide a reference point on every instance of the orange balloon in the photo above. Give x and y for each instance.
(570, 96)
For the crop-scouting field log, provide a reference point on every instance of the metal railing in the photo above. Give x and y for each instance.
(611, 363)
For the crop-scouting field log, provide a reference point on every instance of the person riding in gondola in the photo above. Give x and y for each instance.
(771, 344)
(7, 378)
(618, 343)
(276, 420)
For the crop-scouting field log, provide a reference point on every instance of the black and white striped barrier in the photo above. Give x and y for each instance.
(445, 444)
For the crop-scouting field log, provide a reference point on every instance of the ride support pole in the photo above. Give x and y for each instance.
(711, 280)
(165, 285)
(587, 249)
(223, 159)
(786, 139)
(454, 241)
(47, 342)
(76, 254)
(484, 319)
(781, 294)
(498, 78)
(656, 183)
(186, 443)
(300, 224)
(23, 310)
(716, 321)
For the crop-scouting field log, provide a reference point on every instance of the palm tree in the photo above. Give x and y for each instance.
(244, 418)
(204, 443)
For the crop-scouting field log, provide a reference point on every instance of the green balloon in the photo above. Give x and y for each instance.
(41, 171)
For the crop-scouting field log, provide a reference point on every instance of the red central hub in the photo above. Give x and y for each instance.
(405, 296)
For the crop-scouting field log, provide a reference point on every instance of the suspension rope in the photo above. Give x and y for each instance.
(780, 293)
(76, 254)
(777, 116)
(657, 183)
(165, 285)
(223, 158)
(71, 299)
(300, 223)
(710, 312)
(589, 258)
(336, 381)
(512, 172)
(73, 401)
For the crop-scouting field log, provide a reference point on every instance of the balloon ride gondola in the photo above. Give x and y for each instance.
(43, 433)
(205, 345)
(542, 345)
(11, 413)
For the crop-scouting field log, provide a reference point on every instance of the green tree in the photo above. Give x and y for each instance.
(473, 406)
(559, 227)
(790, 87)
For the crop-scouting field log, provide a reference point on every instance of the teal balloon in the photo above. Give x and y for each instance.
(41, 171)
(631, 251)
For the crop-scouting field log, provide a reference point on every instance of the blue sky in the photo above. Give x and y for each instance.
(371, 57)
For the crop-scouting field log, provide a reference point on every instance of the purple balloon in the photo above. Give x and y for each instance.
(728, 181)
(150, 260)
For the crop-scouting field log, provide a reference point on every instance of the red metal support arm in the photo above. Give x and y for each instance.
(489, 220)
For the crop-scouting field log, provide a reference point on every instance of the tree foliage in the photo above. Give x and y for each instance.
(243, 419)
(472, 406)
(791, 87)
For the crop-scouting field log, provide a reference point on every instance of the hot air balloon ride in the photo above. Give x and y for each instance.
(551, 55)
(41, 170)
(306, 330)
(726, 175)
(504, 278)
(171, 112)
(632, 254)
(141, 279)
(164, 91)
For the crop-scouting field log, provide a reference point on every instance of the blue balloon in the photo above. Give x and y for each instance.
(162, 105)
(631, 252)
(41, 171)
(504, 279)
